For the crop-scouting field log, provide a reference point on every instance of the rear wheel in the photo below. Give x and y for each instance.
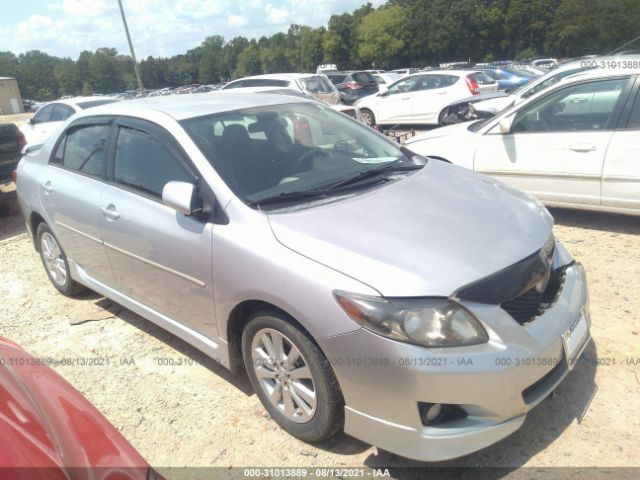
(55, 262)
(367, 117)
(292, 377)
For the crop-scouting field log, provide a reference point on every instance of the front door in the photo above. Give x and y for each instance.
(621, 174)
(159, 257)
(395, 104)
(556, 146)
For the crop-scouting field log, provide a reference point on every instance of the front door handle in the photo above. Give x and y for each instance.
(582, 147)
(406, 98)
(47, 188)
(110, 212)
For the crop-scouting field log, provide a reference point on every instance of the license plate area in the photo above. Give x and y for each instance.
(574, 338)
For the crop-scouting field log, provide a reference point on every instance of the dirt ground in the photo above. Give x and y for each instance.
(179, 408)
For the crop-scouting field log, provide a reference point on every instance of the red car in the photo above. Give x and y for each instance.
(49, 431)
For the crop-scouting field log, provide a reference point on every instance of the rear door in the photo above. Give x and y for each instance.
(621, 174)
(72, 187)
(159, 257)
(556, 147)
(434, 93)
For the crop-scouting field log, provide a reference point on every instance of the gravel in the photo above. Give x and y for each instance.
(180, 408)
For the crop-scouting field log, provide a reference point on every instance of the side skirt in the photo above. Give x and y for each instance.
(217, 351)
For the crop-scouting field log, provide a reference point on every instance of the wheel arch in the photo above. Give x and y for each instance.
(239, 317)
(35, 219)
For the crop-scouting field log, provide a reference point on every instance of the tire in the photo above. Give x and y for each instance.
(367, 117)
(297, 416)
(55, 263)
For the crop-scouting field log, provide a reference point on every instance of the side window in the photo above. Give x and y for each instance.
(406, 85)
(44, 114)
(61, 112)
(583, 107)
(634, 119)
(237, 84)
(83, 149)
(143, 163)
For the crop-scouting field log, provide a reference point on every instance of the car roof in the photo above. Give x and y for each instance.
(181, 107)
(281, 76)
(77, 100)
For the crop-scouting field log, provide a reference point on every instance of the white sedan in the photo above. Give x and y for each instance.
(49, 116)
(421, 98)
(576, 144)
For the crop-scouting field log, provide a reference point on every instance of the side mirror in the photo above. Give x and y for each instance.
(179, 196)
(505, 125)
(30, 121)
(383, 89)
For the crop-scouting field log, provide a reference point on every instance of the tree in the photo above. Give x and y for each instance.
(380, 36)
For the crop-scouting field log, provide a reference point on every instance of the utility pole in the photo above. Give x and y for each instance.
(133, 54)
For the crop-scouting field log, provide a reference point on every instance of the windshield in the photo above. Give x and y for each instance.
(267, 151)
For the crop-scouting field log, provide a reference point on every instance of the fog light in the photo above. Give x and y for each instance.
(438, 414)
(430, 412)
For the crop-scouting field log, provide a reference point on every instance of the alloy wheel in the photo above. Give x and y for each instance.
(284, 375)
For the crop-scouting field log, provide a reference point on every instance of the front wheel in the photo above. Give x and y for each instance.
(55, 262)
(292, 378)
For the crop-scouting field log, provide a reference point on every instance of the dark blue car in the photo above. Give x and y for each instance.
(509, 78)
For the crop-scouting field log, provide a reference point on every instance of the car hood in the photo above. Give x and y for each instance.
(426, 234)
(455, 129)
(494, 105)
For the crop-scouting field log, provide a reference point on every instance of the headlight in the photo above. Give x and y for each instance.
(428, 322)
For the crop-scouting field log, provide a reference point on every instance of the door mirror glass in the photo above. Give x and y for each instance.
(505, 125)
(179, 196)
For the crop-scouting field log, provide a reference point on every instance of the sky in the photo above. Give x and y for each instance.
(163, 28)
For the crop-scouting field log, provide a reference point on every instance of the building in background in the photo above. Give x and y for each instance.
(10, 99)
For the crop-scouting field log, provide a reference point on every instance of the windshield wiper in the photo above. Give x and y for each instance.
(373, 172)
(323, 190)
(284, 196)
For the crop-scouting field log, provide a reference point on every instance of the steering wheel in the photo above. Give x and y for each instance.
(304, 161)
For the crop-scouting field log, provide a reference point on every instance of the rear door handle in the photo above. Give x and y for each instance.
(110, 212)
(47, 188)
(582, 147)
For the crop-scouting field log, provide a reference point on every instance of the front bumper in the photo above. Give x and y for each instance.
(496, 383)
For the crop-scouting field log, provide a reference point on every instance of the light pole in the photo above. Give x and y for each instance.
(133, 54)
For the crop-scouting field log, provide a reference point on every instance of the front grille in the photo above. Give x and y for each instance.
(529, 305)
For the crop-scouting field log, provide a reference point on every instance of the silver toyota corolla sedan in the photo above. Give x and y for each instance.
(415, 305)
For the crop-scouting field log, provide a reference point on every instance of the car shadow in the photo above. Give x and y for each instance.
(238, 379)
(543, 425)
(11, 221)
(600, 221)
